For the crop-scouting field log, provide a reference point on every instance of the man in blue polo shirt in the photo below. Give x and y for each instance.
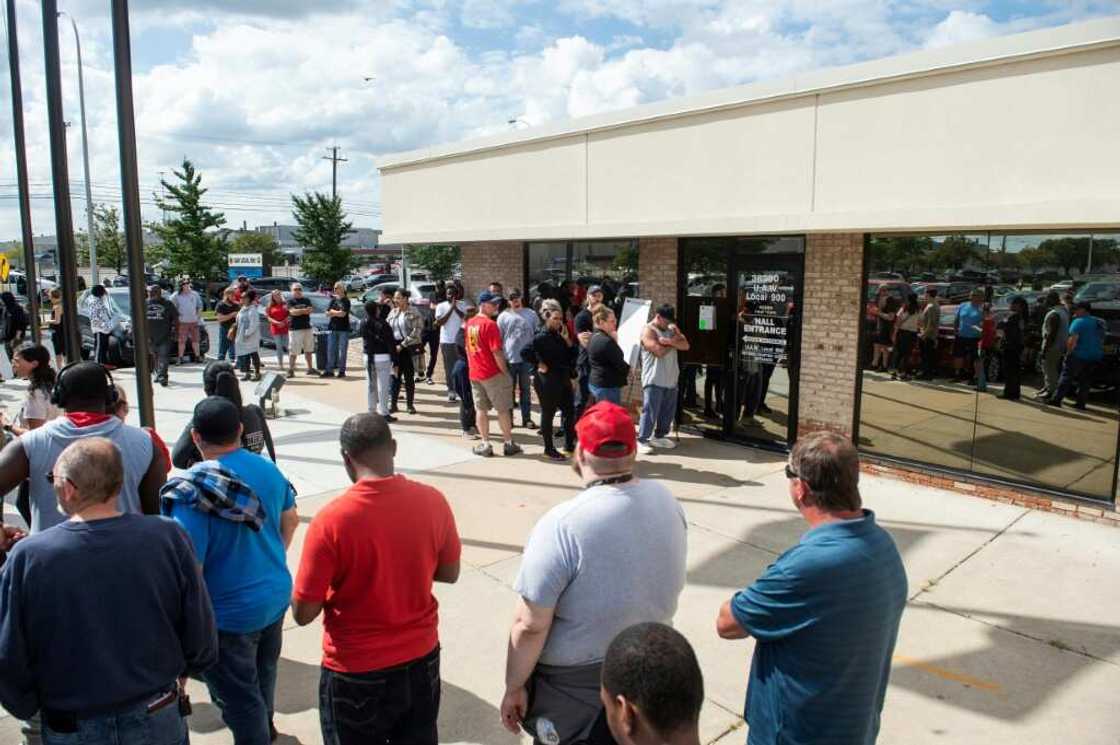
(825, 614)
(240, 514)
(1084, 349)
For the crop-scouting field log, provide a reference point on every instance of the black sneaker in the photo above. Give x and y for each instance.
(326, 374)
(529, 424)
(342, 374)
(389, 418)
(411, 409)
(555, 455)
(511, 448)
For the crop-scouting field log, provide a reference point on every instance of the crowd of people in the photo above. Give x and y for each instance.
(1071, 343)
(98, 645)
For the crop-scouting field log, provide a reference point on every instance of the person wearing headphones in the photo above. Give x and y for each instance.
(88, 395)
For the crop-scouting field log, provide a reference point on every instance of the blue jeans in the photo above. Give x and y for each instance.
(519, 371)
(614, 395)
(396, 705)
(133, 726)
(243, 683)
(225, 346)
(337, 344)
(659, 406)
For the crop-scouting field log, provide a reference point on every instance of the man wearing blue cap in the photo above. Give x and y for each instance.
(490, 380)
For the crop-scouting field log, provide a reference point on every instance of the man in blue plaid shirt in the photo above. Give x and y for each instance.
(240, 512)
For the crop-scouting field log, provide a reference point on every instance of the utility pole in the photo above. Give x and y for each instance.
(21, 172)
(335, 160)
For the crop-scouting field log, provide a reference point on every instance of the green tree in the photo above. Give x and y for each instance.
(906, 253)
(109, 238)
(258, 243)
(322, 228)
(955, 252)
(193, 246)
(1068, 252)
(439, 259)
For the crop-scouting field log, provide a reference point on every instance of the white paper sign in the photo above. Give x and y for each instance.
(707, 318)
(247, 260)
(635, 316)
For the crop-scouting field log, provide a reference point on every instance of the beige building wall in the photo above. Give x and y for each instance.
(1017, 132)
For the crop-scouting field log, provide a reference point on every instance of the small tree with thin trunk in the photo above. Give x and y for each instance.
(322, 228)
(193, 246)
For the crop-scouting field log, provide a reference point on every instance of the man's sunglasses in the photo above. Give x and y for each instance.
(50, 478)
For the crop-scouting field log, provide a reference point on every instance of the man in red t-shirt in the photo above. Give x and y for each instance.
(369, 560)
(491, 383)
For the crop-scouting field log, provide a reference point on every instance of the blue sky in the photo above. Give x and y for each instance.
(254, 91)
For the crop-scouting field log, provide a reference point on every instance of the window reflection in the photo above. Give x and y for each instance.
(972, 383)
(565, 270)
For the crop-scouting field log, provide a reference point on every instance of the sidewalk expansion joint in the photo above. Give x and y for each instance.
(736, 539)
(1055, 643)
(929, 584)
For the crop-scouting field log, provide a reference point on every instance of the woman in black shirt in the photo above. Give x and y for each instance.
(609, 368)
(553, 357)
(1014, 331)
(380, 349)
(220, 379)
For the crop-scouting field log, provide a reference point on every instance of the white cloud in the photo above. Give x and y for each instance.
(961, 26)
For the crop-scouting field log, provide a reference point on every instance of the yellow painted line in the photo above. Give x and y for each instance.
(946, 674)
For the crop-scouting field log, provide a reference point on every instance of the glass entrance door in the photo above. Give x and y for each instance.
(741, 311)
(766, 344)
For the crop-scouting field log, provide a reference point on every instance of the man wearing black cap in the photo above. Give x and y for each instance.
(585, 327)
(580, 584)
(661, 340)
(240, 513)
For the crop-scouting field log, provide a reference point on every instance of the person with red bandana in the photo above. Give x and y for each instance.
(87, 394)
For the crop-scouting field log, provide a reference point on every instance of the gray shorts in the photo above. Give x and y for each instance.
(301, 341)
(493, 393)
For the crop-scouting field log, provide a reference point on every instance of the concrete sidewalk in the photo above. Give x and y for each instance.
(1009, 635)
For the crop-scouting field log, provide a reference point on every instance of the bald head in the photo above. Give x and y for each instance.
(94, 467)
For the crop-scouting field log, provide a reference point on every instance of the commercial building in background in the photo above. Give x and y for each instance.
(779, 217)
(361, 241)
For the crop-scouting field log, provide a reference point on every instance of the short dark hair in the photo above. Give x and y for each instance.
(364, 433)
(217, 420)
(97, 290)
(829, 464)
(653, 667)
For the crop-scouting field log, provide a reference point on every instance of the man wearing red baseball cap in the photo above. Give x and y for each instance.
(587, 574)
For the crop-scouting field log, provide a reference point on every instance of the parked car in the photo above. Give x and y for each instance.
(121, 349)
(423, 294)
(319, 318)
(284, 284)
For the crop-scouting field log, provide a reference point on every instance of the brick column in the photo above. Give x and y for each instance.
(657, 270)
(830, 332)
(489, 261)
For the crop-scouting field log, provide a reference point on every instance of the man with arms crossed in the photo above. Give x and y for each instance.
(369, 560)
(825, 614)
(588, 572)
(301, 339)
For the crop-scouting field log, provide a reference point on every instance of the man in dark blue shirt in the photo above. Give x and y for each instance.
(825, 614)
(91, 637)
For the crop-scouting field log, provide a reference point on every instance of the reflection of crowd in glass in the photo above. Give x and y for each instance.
(1071, 346)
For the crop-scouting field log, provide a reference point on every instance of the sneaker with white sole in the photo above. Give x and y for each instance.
(511, 448)
(663, 442)
(452, 398)
(484, 449)
(645, 448)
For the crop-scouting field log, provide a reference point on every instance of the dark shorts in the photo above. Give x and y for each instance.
(966, 348)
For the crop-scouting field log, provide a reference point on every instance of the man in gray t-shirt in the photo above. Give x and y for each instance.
(609, 558)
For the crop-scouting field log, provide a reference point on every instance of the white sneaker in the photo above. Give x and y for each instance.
(645, 448)
(663, 442)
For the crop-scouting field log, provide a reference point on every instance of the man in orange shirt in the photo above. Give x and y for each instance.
(369, 560)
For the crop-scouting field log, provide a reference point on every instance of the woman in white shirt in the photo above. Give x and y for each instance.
(33, 364)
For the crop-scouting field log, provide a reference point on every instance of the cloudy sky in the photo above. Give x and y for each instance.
(255, 91)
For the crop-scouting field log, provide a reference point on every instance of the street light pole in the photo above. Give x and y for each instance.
(85, 153)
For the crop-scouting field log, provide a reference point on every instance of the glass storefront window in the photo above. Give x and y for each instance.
(966, 378)
(613, 265)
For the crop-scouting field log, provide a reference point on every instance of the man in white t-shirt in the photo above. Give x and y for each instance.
(449, 319)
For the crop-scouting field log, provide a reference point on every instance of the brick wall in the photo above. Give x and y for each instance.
(485, 262)
(657, 269)
(830, 331)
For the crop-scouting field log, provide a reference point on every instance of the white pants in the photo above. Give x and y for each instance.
(378, 385)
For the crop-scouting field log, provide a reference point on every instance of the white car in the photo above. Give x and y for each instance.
(354, 282)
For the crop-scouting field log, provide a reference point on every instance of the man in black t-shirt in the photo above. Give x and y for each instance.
(338, 328)
(301, 339)
(585, 327)
(226, 311)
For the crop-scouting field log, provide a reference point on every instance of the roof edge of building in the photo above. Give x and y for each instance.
(1079, 37)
